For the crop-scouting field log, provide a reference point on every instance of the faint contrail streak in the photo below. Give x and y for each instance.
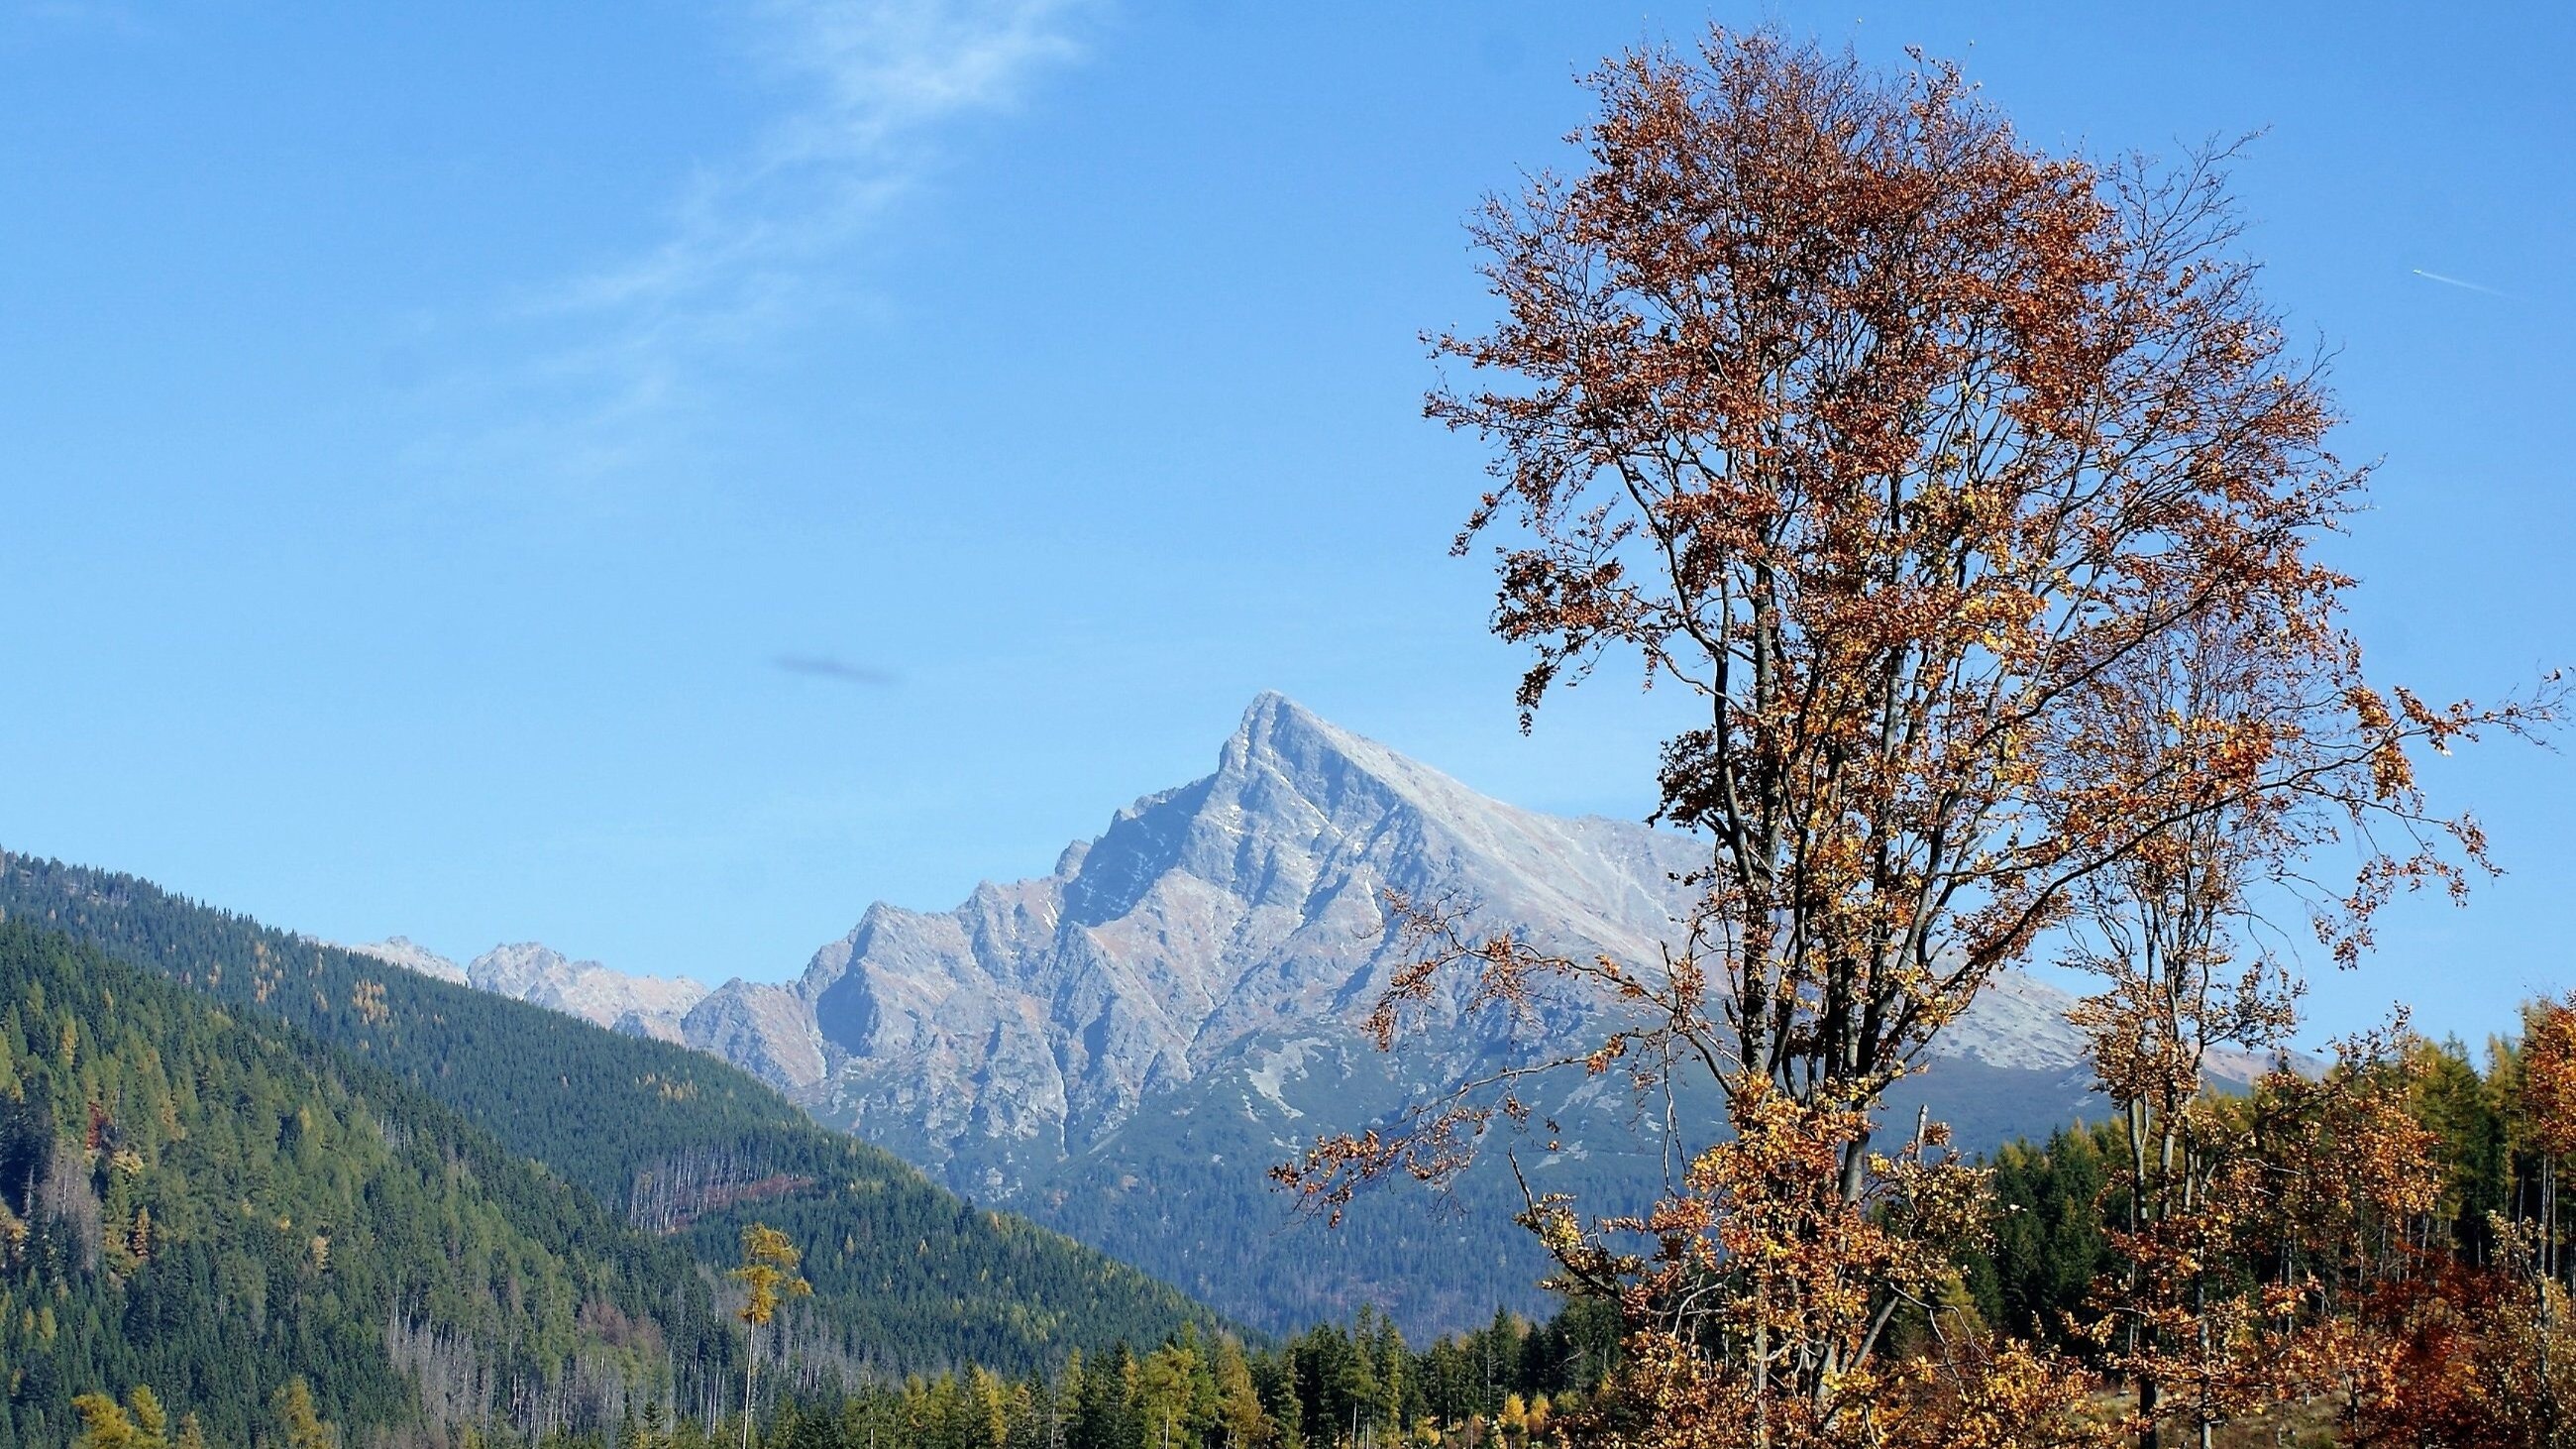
(2466, 286)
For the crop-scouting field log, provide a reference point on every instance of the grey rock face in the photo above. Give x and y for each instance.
(640, 1005)
(645, 1006)
(409, 955)
(1037, 1019)
(762, 1028)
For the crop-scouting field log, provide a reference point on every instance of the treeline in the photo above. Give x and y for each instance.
(1508, 1383)
(1354, 1385)
(906, 1275)
(2489, 1157)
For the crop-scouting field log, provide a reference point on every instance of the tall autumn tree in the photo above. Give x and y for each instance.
(1884, 437)
(769, 1277)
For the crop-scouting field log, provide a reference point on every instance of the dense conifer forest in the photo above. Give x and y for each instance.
(215, 1205)
(657, 1144)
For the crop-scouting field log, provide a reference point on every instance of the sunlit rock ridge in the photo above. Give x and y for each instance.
(637, 1005)
(1230, 920)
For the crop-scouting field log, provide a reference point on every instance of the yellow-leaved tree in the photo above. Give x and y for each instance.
(302, 1418)
(138, 1423)
(768, 1276)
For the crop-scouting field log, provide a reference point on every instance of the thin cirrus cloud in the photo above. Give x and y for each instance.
(757, 247)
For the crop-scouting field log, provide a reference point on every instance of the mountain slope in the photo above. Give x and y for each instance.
(212, 1204)
(674, 1141)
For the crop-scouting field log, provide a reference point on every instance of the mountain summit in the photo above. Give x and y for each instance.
(1121, 1047)
(1035, 1019)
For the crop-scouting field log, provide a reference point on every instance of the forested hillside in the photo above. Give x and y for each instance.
(215, 1204)
(207, 1210)
(906, 1275)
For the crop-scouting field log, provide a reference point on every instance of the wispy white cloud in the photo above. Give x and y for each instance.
(757, 246)
(871, 77)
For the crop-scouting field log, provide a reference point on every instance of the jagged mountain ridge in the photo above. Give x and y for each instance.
(649, 1006)
(403, 951)
(1039, 1017)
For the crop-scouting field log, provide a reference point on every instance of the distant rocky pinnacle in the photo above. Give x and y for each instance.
(404, 952)
(637, 1005)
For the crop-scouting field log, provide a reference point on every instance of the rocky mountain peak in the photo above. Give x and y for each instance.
(534, 972)
(1241, 908)
(514, 970)
(412, 956)
(1279, 733)
(1283, 746)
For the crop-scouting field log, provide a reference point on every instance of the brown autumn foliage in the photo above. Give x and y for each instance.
(2487, 1351)
(1761, 1267)
(2484, 1357)
(2549, 1076)
(2265, 1276)
(1928, 464)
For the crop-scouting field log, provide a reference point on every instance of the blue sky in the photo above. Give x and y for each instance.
(422, 431)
